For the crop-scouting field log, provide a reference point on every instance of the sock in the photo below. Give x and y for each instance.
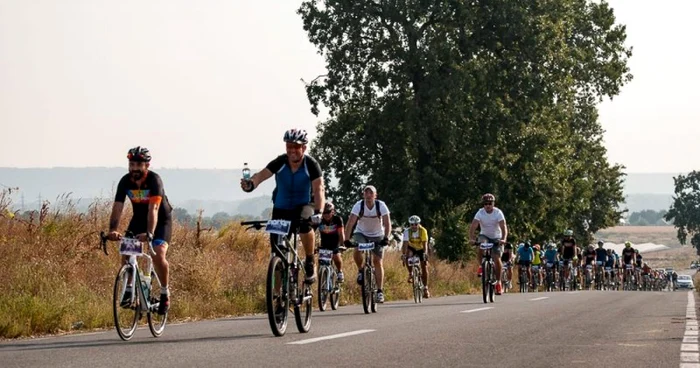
(164, 290)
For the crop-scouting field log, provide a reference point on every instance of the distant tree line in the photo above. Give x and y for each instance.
(648, 218)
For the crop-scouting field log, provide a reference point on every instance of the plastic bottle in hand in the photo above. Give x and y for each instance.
(246, 171)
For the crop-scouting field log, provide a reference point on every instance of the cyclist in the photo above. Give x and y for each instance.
(373, 225)
(601, 257)
(415, 242)
(493, 228)
(551, 257)
(151, 220)
(507, 260)
(589, 257)
(610, 262)
(537, 262)
(333, 236)
(568, 250)
(298, 192)
(524, 259)
(638, 268)
(627, 257)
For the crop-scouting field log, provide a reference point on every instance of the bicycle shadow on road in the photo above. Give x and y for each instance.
(428, 304)
(46, 345)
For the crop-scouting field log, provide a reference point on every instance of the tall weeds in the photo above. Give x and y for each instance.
(56, 279)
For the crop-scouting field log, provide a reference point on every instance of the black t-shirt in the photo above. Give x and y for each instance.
(627, 254)
(589, 255)
(329, 231)
(149, 190)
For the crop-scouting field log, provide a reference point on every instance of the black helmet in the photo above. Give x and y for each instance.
(139, 154)
(488, 197)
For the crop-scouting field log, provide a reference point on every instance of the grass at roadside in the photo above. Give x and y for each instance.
(56, 279)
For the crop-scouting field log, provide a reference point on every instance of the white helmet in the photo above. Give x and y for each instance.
(414, 220)
(297, 136)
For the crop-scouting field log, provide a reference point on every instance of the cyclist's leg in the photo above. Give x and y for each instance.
(161, 238)
(496, 253)
(423, 267)
(479, 256)
(307, 240)
(357, 255)
(338, 260)
(409, 253)
(377, 262)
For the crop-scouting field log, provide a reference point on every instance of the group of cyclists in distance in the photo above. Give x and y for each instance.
(300, 189)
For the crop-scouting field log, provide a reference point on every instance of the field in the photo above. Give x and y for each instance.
(57, 280)
(665, 235)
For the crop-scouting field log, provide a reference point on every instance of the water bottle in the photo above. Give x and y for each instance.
(146, 283)
(246, 171)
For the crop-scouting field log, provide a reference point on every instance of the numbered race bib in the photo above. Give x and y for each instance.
(279, 227)
(589, 267)
(324, 256)
(549, 265)
(561, 263)
(130, 247)
(413, 261)
(599, 263)
(608, 268)
(486, 246)
(628, 267)
(365, 246)
(535, 268)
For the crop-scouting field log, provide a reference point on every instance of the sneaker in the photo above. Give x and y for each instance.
(164, 305)
(410, 279)
(360, 274)
(341, 277)
(126, 299)
(310, 271)
(478, 273)
(426, 293)
(499, 288)
(380, 297)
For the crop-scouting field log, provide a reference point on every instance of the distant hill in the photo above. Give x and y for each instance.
(217, 190)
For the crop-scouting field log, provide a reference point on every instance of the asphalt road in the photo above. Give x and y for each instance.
(581, 329)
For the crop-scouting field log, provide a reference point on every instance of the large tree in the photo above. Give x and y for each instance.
(436, 102)
(685, 210)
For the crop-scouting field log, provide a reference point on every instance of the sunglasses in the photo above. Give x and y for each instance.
(488, 203)
(326, 212)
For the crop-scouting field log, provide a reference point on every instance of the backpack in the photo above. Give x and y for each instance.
(377, 203)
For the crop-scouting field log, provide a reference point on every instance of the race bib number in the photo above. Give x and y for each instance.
(413, 261)
(325, 255)
(279, 227)
(628, 267)
(589, 267)
(549, 265)
(130, 247)
(608, 268)
(486, 246)
(365, 246)
(535, 268)
(599, 263)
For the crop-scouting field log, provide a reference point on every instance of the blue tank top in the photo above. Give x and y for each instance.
(293, 188)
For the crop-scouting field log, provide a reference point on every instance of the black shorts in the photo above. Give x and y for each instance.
(418, 253)
(294, 216)
(162, 234)
(335, 248)
(524, 263)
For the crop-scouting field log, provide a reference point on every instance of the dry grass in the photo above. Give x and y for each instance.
(640, 234)
(678, 258)
(56, 279)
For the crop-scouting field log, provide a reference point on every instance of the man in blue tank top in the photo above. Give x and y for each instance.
(299, 193)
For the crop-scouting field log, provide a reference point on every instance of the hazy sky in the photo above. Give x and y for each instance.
(82, 81)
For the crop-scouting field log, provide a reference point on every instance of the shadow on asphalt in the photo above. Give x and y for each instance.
(47, 345)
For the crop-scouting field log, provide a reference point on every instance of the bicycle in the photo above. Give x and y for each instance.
(142, 300)
(328, 286)
(488, 280)
(369, 282)
(283, 269)
(417, 275)
(523, 279)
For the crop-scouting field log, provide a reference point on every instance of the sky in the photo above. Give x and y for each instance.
(214, 84)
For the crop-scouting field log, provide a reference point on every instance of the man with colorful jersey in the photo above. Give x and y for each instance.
(627, 258)
(332, 236)
(524, 259)
(493, 229)
(537, 263)
(299, 193)
(415, 243)
(551, 258)
(151, 220)
(609, 265)
(373, 225)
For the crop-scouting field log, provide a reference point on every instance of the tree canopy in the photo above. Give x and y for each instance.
(437, 102)
(685, 210)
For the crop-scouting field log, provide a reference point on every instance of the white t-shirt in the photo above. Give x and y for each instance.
(370, 224)
(488, 222)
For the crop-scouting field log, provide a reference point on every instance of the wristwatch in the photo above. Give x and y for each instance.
(149, 236)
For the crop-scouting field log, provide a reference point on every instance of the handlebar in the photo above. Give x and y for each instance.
(128, 234)
(259, 224)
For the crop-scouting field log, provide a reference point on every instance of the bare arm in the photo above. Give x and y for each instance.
(261, 176)
(386, 220)
(152, 216)
(504, 230)
(117, 209)
(472, 229)
(319, 194)
(351, 223)
(341, 235)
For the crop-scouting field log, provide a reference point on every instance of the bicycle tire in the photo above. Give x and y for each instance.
(156, 328)
(484, 281)
(416, 283)
(366, 292)
(492, 280)
(335, 290)
(277, 264)
(323, 289)
(373, 299)
(116, 301)
(304, 308)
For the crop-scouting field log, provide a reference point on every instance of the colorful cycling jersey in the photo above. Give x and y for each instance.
(601, 255)
(526, 253)
(416, 238)
(147, 190)
(293, 188)
(551, 255)
(329, 230)
(537, 258)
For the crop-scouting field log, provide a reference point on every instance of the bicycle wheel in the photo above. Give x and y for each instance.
(335, 290)
(323, 289)
(484, 281)
(421, 287)
(367, 294)
(492, 280)
(125, 318)
(304, 306)
(373, 283)
(416, 284)
(156, 322)
(276, 296)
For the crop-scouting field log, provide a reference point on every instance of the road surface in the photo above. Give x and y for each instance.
(573, 329)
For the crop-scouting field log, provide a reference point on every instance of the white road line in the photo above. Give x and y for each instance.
(540, 298)
(476, 310)
(689, 347)
(329, 337)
